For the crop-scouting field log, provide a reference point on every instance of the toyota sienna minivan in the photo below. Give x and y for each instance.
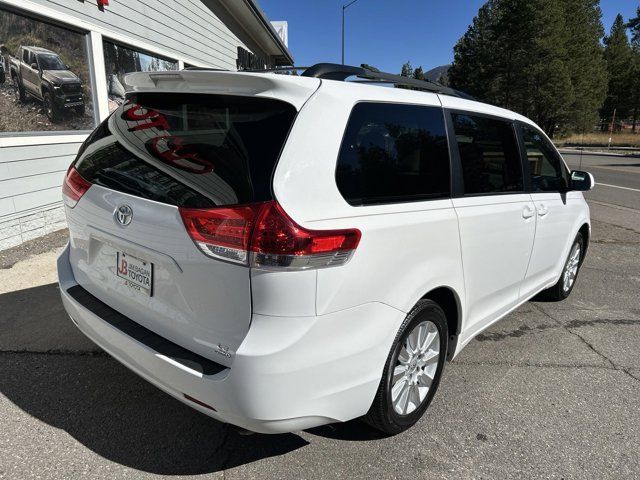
(281, 252)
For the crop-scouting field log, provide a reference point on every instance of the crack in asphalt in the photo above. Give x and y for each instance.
(626, 370)
(628, 229)
(567, 327)
(537, 365)
(614, 242)
(598, 321)
(611, 272)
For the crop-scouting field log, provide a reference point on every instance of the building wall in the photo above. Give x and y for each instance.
(30, 179)
(32, 166)
(185, 27)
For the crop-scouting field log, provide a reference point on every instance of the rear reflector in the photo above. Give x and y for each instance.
(73, 187)
(263, 235)
(198, 402)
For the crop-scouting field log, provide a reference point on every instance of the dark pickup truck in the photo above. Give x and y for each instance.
(41, 74)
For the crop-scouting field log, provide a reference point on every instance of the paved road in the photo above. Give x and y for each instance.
(551, 391)
(617, 177)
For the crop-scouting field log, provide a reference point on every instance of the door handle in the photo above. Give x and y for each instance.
(527, 212)
(542, 210)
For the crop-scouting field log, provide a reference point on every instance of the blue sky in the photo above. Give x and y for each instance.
(387, 33)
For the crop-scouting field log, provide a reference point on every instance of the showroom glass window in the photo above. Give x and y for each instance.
(44, 80)
(120, 60)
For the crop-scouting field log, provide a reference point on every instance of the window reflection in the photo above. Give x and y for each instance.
(120, 60)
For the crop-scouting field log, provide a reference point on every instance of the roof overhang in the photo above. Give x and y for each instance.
(249, 14)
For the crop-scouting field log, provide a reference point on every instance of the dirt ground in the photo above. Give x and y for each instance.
(30, 117)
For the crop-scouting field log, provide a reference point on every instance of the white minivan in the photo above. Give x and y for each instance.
(281, 252)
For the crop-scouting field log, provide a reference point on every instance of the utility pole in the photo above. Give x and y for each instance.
(344, 7)
(613, 119)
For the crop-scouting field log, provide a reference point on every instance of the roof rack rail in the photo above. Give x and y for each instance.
(368, 74)
(335, 71)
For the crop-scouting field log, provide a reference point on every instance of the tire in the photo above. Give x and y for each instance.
(567, 281)
(79, 110)
(53, 114)
(2, 78)
(18, 90)
(390, 413)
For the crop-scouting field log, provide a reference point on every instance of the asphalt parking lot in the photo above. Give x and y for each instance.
(551, 391)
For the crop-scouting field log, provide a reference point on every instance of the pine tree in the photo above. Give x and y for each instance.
(418, 73)
(407, 70)
(586, 63)
(472, 58)
(531, 56)
(634, 26)
(619, 58)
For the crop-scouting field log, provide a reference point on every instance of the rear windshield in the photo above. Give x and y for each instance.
(190, 150)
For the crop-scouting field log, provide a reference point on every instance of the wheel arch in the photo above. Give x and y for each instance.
(46, 88)
(585, 230)
(449, 301)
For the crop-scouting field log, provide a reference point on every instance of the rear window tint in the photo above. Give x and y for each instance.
(193, 150)
(393, 153)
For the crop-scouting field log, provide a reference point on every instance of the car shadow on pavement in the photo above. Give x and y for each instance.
(354, 431)
(103, 405)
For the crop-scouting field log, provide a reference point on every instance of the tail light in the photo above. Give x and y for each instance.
(263, 235)
(74, 187)
(222, 232)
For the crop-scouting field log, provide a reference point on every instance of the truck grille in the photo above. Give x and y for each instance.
(71, 88)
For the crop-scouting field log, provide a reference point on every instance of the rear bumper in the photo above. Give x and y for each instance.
(288, 374)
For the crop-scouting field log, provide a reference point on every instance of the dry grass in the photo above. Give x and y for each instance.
(601, 139)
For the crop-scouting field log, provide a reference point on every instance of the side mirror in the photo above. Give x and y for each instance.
(67, 66)
(34, 66)
(582, 181)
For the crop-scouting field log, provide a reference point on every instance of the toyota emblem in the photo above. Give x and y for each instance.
(123, 215)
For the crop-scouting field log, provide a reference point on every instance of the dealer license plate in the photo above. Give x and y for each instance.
(137, 274)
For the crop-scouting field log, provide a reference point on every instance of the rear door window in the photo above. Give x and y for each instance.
(488, 153)
(393, 153)
(194, 150)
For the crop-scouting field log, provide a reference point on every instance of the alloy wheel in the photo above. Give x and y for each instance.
(415, 368)
(571, 268)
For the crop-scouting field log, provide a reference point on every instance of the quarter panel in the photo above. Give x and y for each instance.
(401, 256)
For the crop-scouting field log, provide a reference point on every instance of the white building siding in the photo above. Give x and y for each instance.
(183, 27)
(30, 192)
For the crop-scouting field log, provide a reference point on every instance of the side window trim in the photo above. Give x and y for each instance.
(457, 179)
(525, 158)
(457, 182)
